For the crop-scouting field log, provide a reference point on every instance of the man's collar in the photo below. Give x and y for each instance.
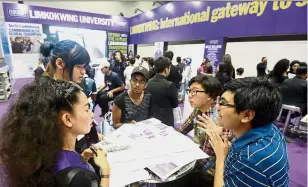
(251, 136)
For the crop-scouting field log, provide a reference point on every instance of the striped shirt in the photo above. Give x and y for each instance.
(258, 158)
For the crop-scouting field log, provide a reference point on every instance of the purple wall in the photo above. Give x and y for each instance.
(292, 20)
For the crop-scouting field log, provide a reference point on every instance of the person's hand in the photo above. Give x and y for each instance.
(100, 136)
(220, 146)
(110, 94)
(205, 122)
(101, 160)
(133, 122)
(87, 154)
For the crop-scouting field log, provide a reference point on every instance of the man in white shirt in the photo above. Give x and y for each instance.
(128, 71)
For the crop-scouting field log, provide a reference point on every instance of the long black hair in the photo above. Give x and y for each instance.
(71, 53)
(279, 69)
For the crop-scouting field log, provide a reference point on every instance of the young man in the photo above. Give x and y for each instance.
(239, 73)
(114, 85)
(164, 92)
(128, 71)
(294, 91)
(202, 93)
(261, 67)
(135, 104)
(258, 156)
(207, 67)
(180, 65)
(174, 76)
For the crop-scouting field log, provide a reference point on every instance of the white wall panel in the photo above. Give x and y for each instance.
(146, 50)
(195, 52)
(248, 54)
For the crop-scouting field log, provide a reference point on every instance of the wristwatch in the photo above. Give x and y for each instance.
(105, 176)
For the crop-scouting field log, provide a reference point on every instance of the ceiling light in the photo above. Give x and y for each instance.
(169, 7)
(150, 14)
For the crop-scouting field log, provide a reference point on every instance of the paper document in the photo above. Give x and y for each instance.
(147, 144)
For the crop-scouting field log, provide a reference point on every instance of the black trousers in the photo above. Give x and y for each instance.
(102, 100)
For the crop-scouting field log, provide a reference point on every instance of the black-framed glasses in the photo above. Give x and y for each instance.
(223, 103)
(194, 92)
(138, 81)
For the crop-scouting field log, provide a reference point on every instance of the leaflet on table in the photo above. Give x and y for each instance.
(120, 178)
(149, 143)
(168, 165)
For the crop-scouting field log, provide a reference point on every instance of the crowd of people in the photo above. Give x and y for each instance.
(233, 117)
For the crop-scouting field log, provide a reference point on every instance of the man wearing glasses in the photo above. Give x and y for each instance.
(113, 86)
(258, 156)
(202, 93)
(135, 104)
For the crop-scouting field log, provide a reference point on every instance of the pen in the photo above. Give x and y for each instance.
(93, 151)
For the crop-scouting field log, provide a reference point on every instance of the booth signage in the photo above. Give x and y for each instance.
(182, 21)
(60, 17)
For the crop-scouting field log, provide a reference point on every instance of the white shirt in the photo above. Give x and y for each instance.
(127, 73)
(145, 65)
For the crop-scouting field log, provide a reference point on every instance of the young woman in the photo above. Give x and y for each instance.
(279, 72)
(293, 67)
(39, 132)
(68, 61)
(45, 50)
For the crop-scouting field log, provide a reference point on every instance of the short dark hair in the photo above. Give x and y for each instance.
(262, 58)
(178, 59)
(151, 61)
(138, 56)
(169, 54)
(210, 84)
(161, 63)
(240, 71)
(302, 69)
(259, 95)
(132, 61)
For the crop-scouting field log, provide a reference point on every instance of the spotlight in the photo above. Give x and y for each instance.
(150, 14)
(169, 7)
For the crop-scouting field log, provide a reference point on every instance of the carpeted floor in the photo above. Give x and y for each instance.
(297, 150)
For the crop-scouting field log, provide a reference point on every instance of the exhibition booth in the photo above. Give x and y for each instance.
(247, 31)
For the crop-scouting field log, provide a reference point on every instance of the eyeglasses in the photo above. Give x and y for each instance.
(194, 92)
(138, 81)
(223, 103)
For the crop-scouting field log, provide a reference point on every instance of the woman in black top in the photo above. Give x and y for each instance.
(228, 66)
(279, 72)
(222, 74)
(293, 67)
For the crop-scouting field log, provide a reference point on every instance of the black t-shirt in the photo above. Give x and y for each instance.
(113, 81)
(209, 70)
(131, 111)
(261, 67)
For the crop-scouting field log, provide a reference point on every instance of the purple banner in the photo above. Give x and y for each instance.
(182, 21)
(60, 17)
(213, 51)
